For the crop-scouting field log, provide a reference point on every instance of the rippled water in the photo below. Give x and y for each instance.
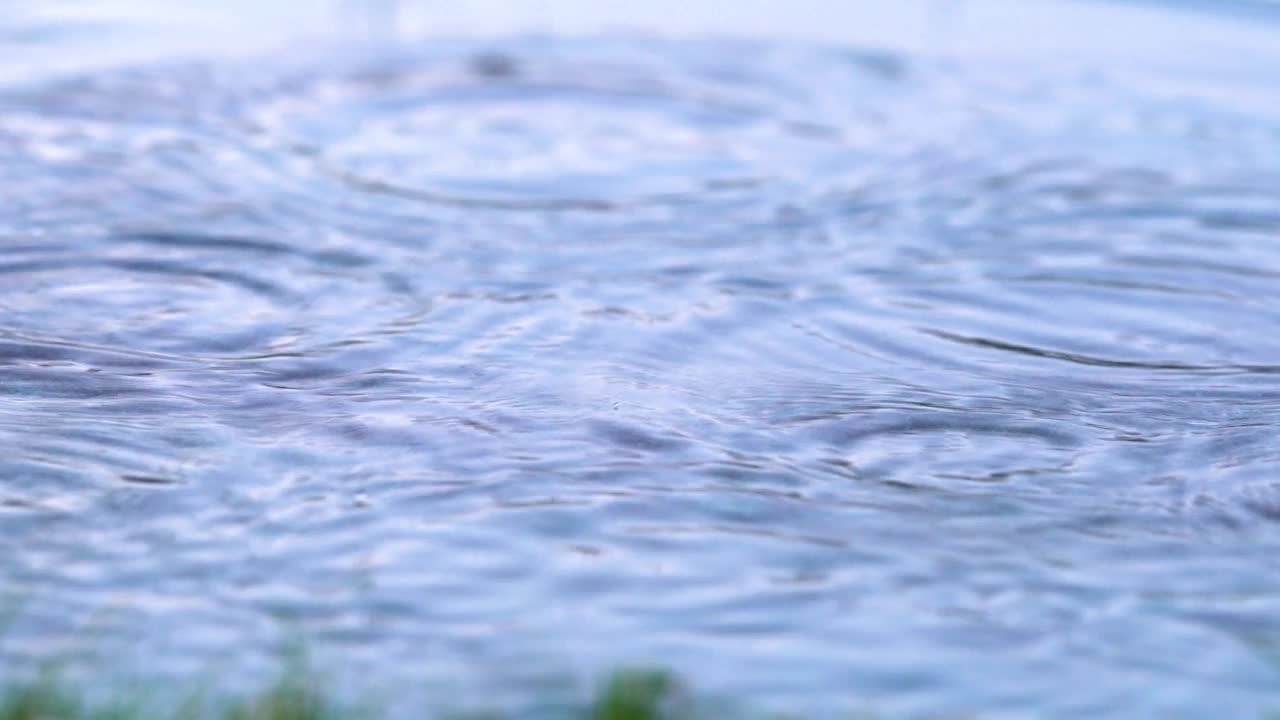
(825, 375)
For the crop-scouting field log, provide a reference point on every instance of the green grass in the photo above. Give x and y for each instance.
(292, 698)
(638, 695)
(299, 695)
(40, 701)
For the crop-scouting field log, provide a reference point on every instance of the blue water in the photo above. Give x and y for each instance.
(905, 359)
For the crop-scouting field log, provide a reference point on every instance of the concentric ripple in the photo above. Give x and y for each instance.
(824, 375)
(524, 128)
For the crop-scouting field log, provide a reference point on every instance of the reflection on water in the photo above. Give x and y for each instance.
(821, 373)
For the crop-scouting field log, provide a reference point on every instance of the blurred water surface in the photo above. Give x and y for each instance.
(926, 357)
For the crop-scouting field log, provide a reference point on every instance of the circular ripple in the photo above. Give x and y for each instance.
(132, 226)
(183, 294)
(580, 128)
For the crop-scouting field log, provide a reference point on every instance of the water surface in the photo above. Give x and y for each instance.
(935, 378)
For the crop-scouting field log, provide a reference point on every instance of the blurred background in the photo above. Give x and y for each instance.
(58, 35)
